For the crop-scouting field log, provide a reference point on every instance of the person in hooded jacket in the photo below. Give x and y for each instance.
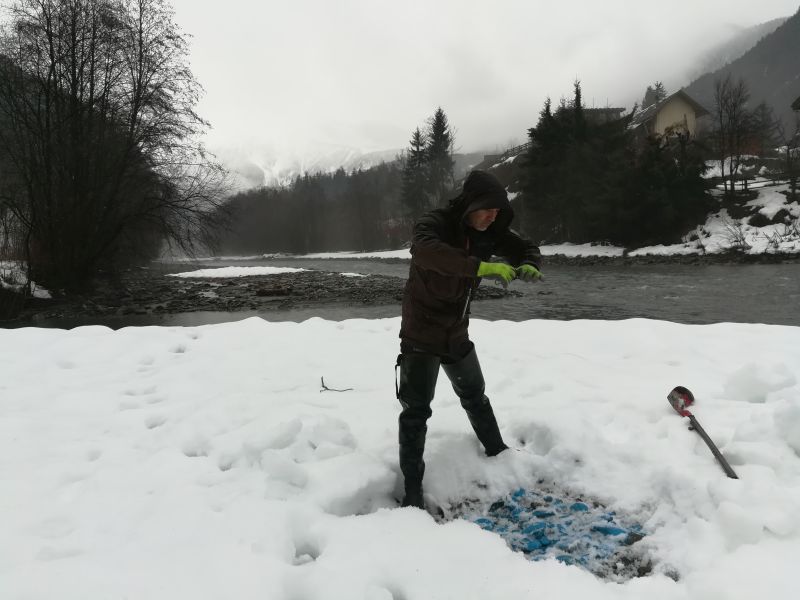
(450, 253)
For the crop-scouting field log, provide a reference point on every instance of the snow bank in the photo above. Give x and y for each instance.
(722, 233)
(576, 250)
(402, 253)
(13, 277)
(236, 272)
(205, 463)
(771, 201)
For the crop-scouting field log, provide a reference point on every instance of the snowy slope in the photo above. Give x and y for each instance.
(256, 166)
(205, 462)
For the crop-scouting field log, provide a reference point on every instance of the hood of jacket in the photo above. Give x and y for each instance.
(483, 190)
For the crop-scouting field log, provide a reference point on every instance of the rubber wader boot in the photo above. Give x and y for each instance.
(468, 384)
(418, 374)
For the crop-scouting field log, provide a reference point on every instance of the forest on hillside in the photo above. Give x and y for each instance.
(579, 180)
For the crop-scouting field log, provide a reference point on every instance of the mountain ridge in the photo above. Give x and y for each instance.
(771, 70)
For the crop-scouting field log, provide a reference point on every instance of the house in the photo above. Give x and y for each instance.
(796, 104)
(677, 112)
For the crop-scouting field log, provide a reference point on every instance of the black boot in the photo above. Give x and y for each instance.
(468, 384)
(418, 374)
(413, 497)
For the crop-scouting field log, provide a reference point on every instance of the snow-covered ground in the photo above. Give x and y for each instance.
(721, 232)
(576, 250)
(235, 272)
(13, 277)
(402, 253)
(166, 463)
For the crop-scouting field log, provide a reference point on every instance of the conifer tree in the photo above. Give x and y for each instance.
(439, 153)
(649, 97)
(579, 119)
(586, 181)
(415, 176)
(660, 91)
(654, 94)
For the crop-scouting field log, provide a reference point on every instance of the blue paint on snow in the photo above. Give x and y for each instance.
(545, 526)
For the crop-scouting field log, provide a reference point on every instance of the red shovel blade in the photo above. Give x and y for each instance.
(681, 398)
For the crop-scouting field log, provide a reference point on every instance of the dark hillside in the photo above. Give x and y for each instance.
(771, 70)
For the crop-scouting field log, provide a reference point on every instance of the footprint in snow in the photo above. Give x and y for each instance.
(153, 421)
(145, 391)
(48, 553)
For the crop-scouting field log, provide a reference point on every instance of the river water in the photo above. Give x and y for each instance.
(698, 294)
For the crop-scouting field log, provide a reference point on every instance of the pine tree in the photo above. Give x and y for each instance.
(439, 152)
(579, 119)
(654, 94)
(415, 176)
(660, 91)
(586, 182)
(649, 97)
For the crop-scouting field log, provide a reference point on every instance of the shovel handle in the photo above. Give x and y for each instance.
(713, 447)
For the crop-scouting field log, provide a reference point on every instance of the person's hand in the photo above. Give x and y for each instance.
(529, 273)
(501, 271)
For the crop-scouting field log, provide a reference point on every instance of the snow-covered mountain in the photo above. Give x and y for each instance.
(264, 166)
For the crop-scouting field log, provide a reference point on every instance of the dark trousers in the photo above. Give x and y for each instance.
(417, 383)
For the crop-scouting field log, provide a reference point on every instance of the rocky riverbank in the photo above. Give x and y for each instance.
(718, 258)
(153, 291)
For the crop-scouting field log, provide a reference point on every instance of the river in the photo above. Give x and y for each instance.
(697, 294)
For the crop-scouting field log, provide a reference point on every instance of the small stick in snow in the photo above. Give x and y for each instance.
(325, 388)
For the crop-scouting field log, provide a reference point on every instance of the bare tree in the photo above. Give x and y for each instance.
(732, 126)
(99, 131)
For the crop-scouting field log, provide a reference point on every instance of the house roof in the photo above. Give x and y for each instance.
(796, 104)
(607, 109)
(649, 113)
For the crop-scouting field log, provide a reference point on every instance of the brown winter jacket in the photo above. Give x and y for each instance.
(445, 254)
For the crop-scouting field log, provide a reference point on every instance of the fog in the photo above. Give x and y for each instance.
(290, 76)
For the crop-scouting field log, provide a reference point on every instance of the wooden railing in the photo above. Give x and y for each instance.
(515, 150)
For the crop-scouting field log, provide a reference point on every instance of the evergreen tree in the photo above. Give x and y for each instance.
(578, 117)
(654, 94)
(649, 97)
(415, 176)
(555, 171)
(586, 182)
(320, 212)
(660, 91)
(439, 153)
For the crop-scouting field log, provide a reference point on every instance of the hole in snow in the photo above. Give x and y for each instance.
(306, 552)
(545, 523)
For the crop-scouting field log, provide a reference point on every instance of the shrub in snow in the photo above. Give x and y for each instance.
(758, 220)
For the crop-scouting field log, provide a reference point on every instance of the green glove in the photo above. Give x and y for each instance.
(529, 273)
(505, 273)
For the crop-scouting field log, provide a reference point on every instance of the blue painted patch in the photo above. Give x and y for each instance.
(568, 529)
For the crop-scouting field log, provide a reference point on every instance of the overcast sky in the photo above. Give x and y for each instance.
(291, 74)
